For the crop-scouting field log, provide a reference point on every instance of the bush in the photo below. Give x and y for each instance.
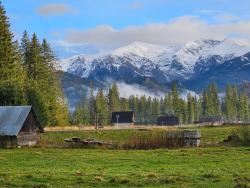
(241, 136)
(155, 139)
(244, 134)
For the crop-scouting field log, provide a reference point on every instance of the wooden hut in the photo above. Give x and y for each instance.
(123, 118)
(167, 120)
(18, 126)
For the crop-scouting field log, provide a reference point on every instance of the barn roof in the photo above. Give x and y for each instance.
(12, 119)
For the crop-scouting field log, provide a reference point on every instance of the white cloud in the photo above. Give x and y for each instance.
(64, 49)
(126, 90)
(56, 9)
(177, 31)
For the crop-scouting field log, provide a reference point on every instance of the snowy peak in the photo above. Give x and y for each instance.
(191, 53)
(163, 63)
(196, 48)
(230, 47)
(140, 49)
(206, 47)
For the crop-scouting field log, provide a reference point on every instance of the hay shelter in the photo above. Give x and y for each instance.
(18, 126)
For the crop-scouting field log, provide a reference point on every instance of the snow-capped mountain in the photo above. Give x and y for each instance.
(173, 62)
(150, 65)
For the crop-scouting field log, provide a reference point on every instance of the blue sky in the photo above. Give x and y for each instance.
(85, 26)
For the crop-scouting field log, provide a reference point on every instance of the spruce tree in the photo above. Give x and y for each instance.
(12, 75)
(25, 49)
(190, 108)
(57, 108)
(231, 103)
(142, 109)
(102, 108)
(211, 106)
(91, 104)
(155, 109)
(114, 98)
(149, 111)
(125, 104)
(177, 105)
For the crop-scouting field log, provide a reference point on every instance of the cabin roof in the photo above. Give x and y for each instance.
(167, 117)
(123, 117)
(12, 119)
(167, 120)
(210, 119)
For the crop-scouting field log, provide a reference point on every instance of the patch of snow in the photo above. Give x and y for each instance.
(243, 58)
(246, 65)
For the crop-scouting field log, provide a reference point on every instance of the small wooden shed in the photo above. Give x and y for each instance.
(18, 126)
(167, 120)
(123, 118)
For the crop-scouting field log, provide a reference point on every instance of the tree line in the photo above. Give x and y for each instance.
(232, 107)
(28, 75)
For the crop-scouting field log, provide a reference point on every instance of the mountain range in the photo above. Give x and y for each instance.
(153, 67)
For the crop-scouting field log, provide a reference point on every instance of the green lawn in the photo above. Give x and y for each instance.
(54, 164)
(199, 167)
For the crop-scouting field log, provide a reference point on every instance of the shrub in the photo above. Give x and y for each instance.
(153, 140)
(241, 136)
(244, 134)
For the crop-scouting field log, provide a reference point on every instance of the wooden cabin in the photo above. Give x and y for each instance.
(18, 126)
(167, 120)
(123, 118)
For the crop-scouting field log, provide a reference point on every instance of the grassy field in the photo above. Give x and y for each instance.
(200, 167)
(210, 136)
(53, 164)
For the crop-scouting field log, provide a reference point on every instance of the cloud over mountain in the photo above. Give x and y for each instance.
(177, 31)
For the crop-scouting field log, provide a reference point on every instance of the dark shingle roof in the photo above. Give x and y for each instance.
(167, 120)
(123, 117)
(12, 119)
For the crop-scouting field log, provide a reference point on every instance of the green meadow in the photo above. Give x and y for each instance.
(53, 164)
(210, 135)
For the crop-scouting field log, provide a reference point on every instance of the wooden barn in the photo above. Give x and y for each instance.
(124, 118)
(18, 126)
(167, 120)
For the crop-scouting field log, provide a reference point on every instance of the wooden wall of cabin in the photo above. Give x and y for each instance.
(8, 141)
(29, 134)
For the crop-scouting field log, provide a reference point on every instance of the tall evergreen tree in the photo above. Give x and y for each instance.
(114, 98)
(125, 104)
(25, 49)
(190, 108)
(12, 76)
(231, 103)
(91, 104)
(211, 106)
(102, 108)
